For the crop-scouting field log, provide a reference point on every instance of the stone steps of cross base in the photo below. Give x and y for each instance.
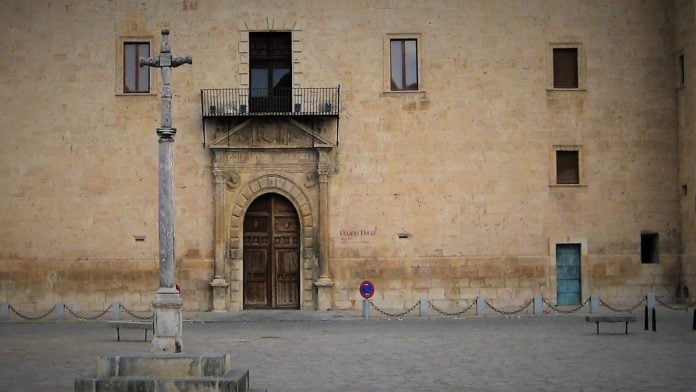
(236, 380)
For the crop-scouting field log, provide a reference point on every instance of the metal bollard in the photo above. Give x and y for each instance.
(366, 309)
(423, 308)
(5, 312)
(654, 320)
(115, 311)
(646, 317)
(60, 312)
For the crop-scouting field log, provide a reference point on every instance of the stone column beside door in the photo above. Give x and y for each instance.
(219, 285)
(325, 168)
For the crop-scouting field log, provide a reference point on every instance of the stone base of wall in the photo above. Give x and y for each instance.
(450, 282)
(454, 282)
(91, 285)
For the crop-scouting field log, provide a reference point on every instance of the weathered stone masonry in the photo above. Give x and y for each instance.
(446, 192)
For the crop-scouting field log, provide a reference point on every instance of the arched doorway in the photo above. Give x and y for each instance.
(271, 254)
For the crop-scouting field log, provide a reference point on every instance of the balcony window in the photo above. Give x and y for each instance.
(270, 75)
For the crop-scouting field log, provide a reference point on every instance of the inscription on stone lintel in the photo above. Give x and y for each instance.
(270, 157)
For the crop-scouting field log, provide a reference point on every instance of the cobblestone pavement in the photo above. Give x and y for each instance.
(548, 353)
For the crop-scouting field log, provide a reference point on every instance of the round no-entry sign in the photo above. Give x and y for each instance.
(367, 289)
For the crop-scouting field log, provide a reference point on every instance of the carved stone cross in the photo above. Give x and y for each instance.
(165, 61)
(167, 303)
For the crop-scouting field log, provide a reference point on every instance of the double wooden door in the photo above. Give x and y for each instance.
(271, 254)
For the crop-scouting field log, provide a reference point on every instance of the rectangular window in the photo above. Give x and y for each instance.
(136, 79)
(681, 70)
(403, 56)
(270, 76)
(567, 167)
(565, 67)
(649, 249)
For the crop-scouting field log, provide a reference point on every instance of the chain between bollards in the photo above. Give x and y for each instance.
(569, 311)
(150, 317)
(30, 318)
(405, 312)
(626, 310)
(506, 313)
(452, 314)
(87, 318)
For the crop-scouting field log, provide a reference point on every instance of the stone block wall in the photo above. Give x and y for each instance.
(446, 192)
(685, 45)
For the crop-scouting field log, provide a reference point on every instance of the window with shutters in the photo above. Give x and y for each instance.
(565, 66)
(136, 79)
(131, 78)
(403, 54)
(402, 63)
(270, 71)
(566, 166)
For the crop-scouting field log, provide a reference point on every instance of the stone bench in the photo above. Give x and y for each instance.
(614, 318)
(146, 325)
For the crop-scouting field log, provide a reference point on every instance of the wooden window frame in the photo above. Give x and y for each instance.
(388, 38)
(120, 65)
(138, 89)
(581, 64)
(554, 168)
(404, 65)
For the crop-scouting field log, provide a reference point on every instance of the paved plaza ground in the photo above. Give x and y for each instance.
(334, 351)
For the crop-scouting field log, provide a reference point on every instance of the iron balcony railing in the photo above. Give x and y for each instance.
(249, 102)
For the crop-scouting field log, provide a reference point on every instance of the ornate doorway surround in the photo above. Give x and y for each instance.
(261, 156)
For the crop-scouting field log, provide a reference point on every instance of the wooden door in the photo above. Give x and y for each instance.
(271, 254)
(568, 274)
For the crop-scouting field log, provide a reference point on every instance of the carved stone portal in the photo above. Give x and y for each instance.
(259, 157)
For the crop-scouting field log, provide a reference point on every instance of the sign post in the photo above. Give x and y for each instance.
(367, 290)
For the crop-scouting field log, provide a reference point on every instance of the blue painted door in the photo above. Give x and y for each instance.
(568, 274)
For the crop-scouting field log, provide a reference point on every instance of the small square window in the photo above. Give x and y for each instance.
(567, 167)
(649, 248)
(565, 68)
(403, 56)
(565, 65)
(136, 79)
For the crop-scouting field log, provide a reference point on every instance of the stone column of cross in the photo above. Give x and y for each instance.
(167, 303)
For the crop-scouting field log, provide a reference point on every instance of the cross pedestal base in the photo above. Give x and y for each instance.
(167, 335)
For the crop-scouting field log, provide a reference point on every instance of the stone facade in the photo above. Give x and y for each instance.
(685, 43)
(447, 192)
